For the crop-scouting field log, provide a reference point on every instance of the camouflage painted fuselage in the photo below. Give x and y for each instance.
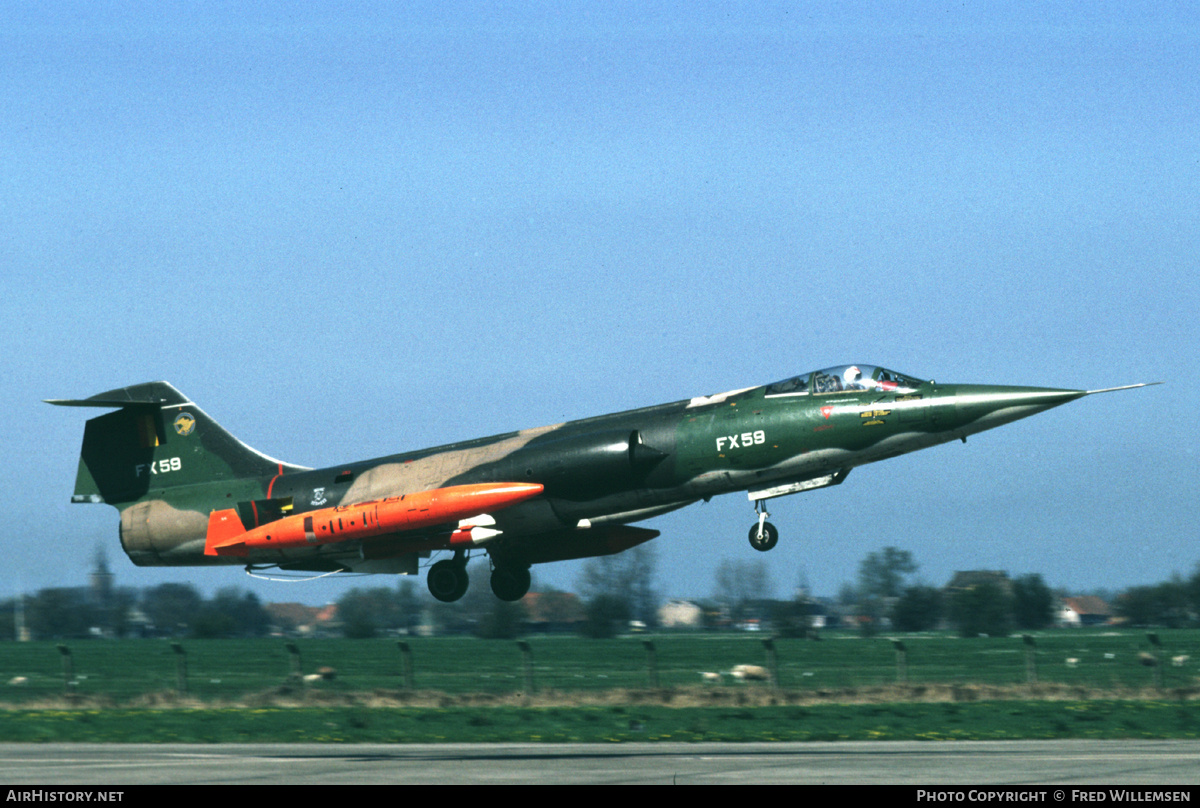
(167, 466)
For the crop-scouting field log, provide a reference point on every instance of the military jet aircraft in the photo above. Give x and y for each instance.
(189, 493)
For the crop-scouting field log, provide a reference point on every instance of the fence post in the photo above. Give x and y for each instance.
(295, 675)
(68, 668)
(181, 685)
(527, 664)
(651, 664)
(772, 662)
(901, 662)
(406, 664)
(1156, 660)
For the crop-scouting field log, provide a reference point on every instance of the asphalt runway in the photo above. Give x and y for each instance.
(996, 763)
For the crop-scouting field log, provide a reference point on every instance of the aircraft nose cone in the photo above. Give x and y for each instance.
(979, 407)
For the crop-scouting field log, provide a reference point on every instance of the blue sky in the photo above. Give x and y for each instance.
(352, 230)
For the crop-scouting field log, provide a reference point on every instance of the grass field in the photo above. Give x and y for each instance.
(121, 670)
(842, 687)
(614, 724)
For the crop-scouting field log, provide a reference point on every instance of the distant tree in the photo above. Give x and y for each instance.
(604, 615)
(409, 605)
(212, 623)
(251, 616)
(982, 609)
(792, 618)
(1033, 602)
(882, 574)
(643, 601)
(1137, 605)
(881, 578)
(919, 608)
(620, 584)
(8, 619)
(364, 613)
(711, 617)
(505, 621)
(464, 615)
(740, 584)
(795, 617)
(1192, 589)
(171, 607)
(59, 614)
(231, 613)
(847, 594)
(1165, 604)
(120, 611)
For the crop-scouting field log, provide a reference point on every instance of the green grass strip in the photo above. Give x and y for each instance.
(1002, 720)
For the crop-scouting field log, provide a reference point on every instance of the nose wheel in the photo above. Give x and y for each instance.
(763, 536)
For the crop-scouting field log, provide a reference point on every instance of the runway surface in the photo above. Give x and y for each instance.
(894, 762)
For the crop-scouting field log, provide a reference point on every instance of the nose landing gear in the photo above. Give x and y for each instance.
(763, 536)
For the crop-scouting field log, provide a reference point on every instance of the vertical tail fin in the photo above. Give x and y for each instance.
(157, 439)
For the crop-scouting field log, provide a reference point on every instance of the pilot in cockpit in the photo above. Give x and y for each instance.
(853, 379)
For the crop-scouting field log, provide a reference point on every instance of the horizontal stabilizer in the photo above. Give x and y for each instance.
(154, 394)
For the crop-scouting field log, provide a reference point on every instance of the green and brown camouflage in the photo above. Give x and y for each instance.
(168, 468)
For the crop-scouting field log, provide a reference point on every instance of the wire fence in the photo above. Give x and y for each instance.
(124, 670)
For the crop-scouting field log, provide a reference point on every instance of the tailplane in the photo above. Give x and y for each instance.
(157, 439)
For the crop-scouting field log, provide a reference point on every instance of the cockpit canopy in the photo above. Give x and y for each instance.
(844, 378)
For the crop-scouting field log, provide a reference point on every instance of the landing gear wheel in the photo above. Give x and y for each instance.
(447, 580)
(510, 583)
(765, 540)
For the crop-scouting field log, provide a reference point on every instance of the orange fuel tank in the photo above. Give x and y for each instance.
(227, 536)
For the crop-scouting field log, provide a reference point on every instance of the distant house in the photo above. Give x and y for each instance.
(1087, 610)
(296, 618)
(548, 612)
(680, 614)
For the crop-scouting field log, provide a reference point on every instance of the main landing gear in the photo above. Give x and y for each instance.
(510, 583)
(763, 535)
(448, 581)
